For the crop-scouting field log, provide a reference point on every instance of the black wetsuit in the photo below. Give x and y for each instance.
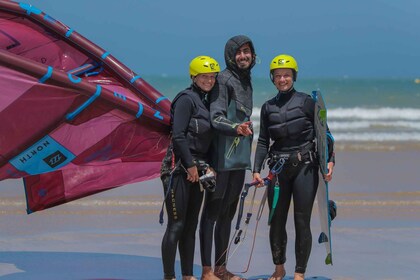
(230, 105)
(288, 120)
(191, 138)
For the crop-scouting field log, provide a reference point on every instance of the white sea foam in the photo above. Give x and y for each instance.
(385, 113)
(368, 124)
(380, 137)
(360, 113)
(354, 125)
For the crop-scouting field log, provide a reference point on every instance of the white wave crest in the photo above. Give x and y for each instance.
(353, 125)
(385, 113)
(379, 137)
(367, 124)
(360, 113)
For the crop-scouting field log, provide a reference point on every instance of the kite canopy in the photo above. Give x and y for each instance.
(74, 120)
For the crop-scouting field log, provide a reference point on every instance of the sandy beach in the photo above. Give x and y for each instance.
(87, 81)
(116, 234)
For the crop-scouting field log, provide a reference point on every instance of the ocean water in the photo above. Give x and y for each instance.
(359, 110)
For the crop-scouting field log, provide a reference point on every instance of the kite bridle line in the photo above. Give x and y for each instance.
(274, 171)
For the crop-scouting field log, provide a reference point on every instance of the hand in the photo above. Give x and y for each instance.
(192, 174)
(257, 178)
(328, 176)
(210, 169)
(244, 128)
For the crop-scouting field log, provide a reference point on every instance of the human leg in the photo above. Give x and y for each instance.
(208, 274)
(279, 272)
(211, 210)
(233, 180)
(175, 209)
(278, 233)
(187, 240)
(222, 273)
(189, 277)
(208, 220)
(222, 238)
(207, 223)
(299, 276)
(304, 191)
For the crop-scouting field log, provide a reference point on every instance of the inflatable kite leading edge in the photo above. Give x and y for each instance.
(74, 120)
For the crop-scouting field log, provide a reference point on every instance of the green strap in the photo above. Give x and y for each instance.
(232, 147)
(275, 200)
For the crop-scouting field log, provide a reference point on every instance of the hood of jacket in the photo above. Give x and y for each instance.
(232, 46)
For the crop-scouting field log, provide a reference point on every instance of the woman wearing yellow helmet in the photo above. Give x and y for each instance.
(287, 136)
(284, 61)
(191, 138)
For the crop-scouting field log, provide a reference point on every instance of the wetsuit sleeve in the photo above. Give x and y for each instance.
(219, 103)
(263, 141)
(183, 109)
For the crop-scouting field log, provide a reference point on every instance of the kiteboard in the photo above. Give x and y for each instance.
(322, 193)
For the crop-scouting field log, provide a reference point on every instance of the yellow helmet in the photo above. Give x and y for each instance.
(284, 61)
(203, 64)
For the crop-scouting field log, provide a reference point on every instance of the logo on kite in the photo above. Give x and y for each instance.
(55, 159)
(13, 42)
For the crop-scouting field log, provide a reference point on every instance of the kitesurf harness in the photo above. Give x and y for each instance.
(294, 156)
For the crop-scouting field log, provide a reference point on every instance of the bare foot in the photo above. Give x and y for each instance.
(188, 278)
(299, 276)
(208, 274)
(224, 274)
(279, 273)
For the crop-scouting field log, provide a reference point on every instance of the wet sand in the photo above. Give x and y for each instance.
(116, 234)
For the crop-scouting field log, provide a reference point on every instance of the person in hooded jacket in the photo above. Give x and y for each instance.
(287, 136)
(191, 140)
(230, 112)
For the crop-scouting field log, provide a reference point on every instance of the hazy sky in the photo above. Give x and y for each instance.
(331, 38)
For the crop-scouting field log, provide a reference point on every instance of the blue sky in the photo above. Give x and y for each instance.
(359, 38)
